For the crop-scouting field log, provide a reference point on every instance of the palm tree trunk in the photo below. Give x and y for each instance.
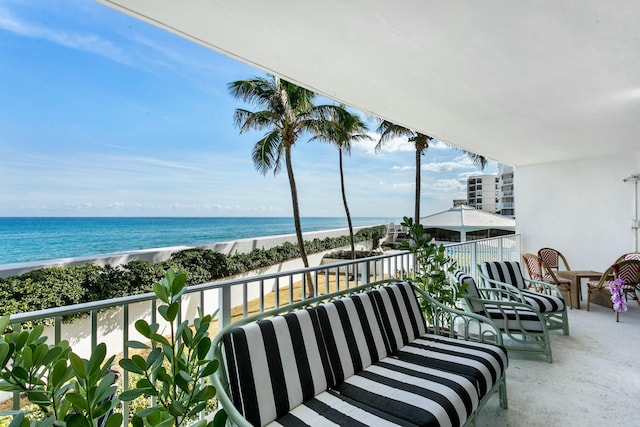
(416, 218)
(296, 219)
(346, 207)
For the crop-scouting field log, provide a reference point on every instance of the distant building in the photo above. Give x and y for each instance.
(492, 193)
(506, 202)
(482, 192)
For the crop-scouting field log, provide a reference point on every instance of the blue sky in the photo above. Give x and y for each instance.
(105, 115)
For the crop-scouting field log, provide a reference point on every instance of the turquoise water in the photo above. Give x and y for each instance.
(35, 239)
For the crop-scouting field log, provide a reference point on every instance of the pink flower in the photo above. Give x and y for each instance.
(617, 296)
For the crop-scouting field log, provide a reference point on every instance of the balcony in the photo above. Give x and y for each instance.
(111, 321)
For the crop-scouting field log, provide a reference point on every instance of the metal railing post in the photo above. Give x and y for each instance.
(224, 318)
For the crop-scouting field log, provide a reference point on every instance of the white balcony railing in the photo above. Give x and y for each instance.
(111, 321)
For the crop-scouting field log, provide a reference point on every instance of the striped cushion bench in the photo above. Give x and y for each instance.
(366, 359)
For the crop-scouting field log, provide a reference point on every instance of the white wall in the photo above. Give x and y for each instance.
(581, 207)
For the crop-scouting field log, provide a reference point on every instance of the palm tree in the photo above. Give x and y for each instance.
(286, 111)
(340, 129)
(388, 130)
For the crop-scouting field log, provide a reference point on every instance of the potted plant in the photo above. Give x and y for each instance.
(432, 267)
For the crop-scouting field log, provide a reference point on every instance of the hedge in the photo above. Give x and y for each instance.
(59, 286)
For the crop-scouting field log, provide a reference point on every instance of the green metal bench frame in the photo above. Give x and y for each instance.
(444, 321)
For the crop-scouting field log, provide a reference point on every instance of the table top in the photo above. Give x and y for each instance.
(579, 273)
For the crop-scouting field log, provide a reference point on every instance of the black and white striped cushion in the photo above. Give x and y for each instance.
(472, 289)
(401, 315)
(506, 318)
(274, 365)
(504, 271)
(544, 303)
(332, 409)
(353, 334)
(484, 363)
(421, 395)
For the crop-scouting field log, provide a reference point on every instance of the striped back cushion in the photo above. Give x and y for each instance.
(401, 315)
(504, 271)
(472, 289)
(276, 364)
(353, 334)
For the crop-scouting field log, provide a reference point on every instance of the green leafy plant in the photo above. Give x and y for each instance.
(66, 389)
(432, 266)
(176, 367)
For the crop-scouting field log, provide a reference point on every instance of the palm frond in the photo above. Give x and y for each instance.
(266, 155)
(247, 120)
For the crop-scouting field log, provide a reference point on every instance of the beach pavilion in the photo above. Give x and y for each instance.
(462, 223)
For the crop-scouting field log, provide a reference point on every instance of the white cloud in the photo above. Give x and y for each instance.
(84, 42)
(403, 168)
(391, 146)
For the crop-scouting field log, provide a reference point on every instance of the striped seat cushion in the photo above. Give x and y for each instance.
(514, 320)
(484, 363)
(418, 394)
(399, 310)
(544, 303)
(332, 409)
(274, 365)
(352, 331)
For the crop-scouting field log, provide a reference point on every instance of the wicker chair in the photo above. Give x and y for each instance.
(627, 270)
(524, 326)
(538, 270)
(544, 297)
(552, 258)
(630, 255)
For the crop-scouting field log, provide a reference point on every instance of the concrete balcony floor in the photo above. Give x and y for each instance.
(594, 379)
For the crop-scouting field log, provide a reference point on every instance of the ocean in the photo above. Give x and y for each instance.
(36, 239)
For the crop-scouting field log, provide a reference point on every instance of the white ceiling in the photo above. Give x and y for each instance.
(520, 82)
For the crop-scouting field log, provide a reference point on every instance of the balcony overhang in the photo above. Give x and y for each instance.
(520, 82)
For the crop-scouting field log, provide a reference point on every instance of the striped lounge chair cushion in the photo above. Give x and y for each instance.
(352, 331)
(432, 381)
(332, 409)
(514, 320)
(400, 312)
(544, 303)
(274, 365)
(509, 272)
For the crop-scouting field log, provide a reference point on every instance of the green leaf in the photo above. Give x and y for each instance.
(17, 420)
(161, 293)
(203, 348)
(196, 409)
(139, 361)
(20, 372)
(60, 373)
(220, 419)
(143, 413)
(97, 357)
(6, 351)
(153, 357)
(210, 368)
(39, 397)
(128, 365)
(76, 420)
(137, 344)
(78, 401)
(132, 394)
(179, 282)
(4, 322)
(78, 365)
(159, 338)
(114, 420)
(143, 327)
(27, 357)
(169, 312)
